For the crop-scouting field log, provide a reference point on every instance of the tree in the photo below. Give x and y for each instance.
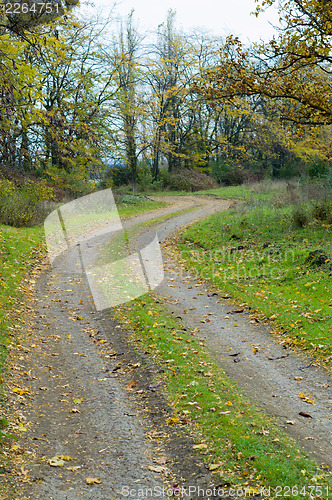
(294, 70)
(58, 102)
(20, 16)
(123, 58)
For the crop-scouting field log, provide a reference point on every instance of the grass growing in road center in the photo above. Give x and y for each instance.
(239, 441)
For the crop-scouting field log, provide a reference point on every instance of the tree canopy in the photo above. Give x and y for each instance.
(80, 95)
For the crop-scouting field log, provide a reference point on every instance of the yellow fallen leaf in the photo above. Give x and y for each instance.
(74, 410)
(214, 466)
(307, 399)
(24, 472)
(160, 460)
(201, 446)
(172, 421)
(157, 468)
(130, 385)
(67, 458)
(56, 462)
(150, 313)
(19, 391)
(92, 480)
(255, 350)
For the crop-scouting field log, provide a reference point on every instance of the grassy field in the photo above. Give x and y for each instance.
(238, 441)
(259, 255)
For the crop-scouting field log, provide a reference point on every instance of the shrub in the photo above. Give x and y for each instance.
(318, 169)
(189, 180)
(300, 217)
(145, 181)
(22, 205)
(227, 173)
(323, 212)
(75, 182)
(117, 175)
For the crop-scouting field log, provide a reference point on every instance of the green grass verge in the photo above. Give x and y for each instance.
(255, 192)
(259, 257)
(18, 253)
(237, 440)
(19, 250)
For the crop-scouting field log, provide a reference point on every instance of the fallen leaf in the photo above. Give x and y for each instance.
(214, 466)
(306, 415)
(255, 350)
(201, 446)
(307, 399)
(130, 385)
(56, 462)
(19, 391)
(172, 420)
(157, 468)
(74, 469)
(92, 480)
(160, 460)
(21, 427)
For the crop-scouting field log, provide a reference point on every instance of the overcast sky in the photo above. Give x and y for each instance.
(219, 16)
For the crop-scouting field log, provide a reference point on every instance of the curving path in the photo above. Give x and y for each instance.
(79, 366)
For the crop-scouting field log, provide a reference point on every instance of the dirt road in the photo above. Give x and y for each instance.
(79, 367)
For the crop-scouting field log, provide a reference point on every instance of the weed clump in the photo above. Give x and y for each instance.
(323, 212)
(300, 217)
(317, 258)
